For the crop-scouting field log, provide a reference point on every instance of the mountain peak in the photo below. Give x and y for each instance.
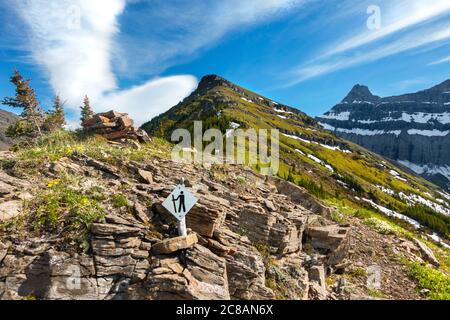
(212, 80)
(360, 93)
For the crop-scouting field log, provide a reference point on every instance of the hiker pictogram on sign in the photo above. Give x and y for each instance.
(180, 202)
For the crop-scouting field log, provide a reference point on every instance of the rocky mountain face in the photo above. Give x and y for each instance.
(412, 129)
(6, 119)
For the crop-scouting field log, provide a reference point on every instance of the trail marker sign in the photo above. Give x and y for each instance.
(180, 202)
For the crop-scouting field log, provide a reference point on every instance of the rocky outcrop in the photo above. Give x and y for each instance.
(245, 241)
(332, 240)
(413, 129)
(114, 126)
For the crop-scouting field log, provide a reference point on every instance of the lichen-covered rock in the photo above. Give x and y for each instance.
(10, 209)
(281, 234)
(202, 276)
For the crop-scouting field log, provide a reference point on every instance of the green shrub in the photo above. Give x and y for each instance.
(312, 187)
(119, 200)
(431, 279)
(61, 206)
(379, 225)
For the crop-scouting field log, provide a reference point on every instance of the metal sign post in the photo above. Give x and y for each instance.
(179, 203)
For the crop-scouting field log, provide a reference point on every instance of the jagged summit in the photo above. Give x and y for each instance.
(212, 80)
(360, 93)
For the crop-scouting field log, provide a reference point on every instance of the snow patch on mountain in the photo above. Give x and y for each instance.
(327, 126)
(429, 169)
(343, 116)
(416, 199)
(246, 100)
(429, 133)
(393, 214)
(314, 158)
(334, 148)
(367, 132)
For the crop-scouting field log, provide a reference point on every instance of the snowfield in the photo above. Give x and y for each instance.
(393, 214)
(429, 133)
(334, 148)
(343, 116)
(367, 132)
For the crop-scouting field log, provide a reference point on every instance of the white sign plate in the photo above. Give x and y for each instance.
(180, 202)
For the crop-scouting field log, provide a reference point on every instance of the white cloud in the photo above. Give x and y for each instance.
(150, 99)
(80, 45)
(73, 41)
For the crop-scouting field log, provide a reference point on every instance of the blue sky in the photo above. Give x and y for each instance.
(143, 56)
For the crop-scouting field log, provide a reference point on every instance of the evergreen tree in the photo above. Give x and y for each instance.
(55, 118)
(32, 117)
(86, 110)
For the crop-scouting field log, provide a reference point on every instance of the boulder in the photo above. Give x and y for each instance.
(10, 209)
(145, 176)
(5, 188)
(245, 268)
(281, 234)
(317, 292)
(3, 251)
(141, 212)
(174, 244)
(427, 253)
(333, 240)
(197, 274)
(207, 215)
(317, 273)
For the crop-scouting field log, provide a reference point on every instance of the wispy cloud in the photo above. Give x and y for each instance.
(395, 17)
(339, 63)
(415, 24)
(440, 61)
